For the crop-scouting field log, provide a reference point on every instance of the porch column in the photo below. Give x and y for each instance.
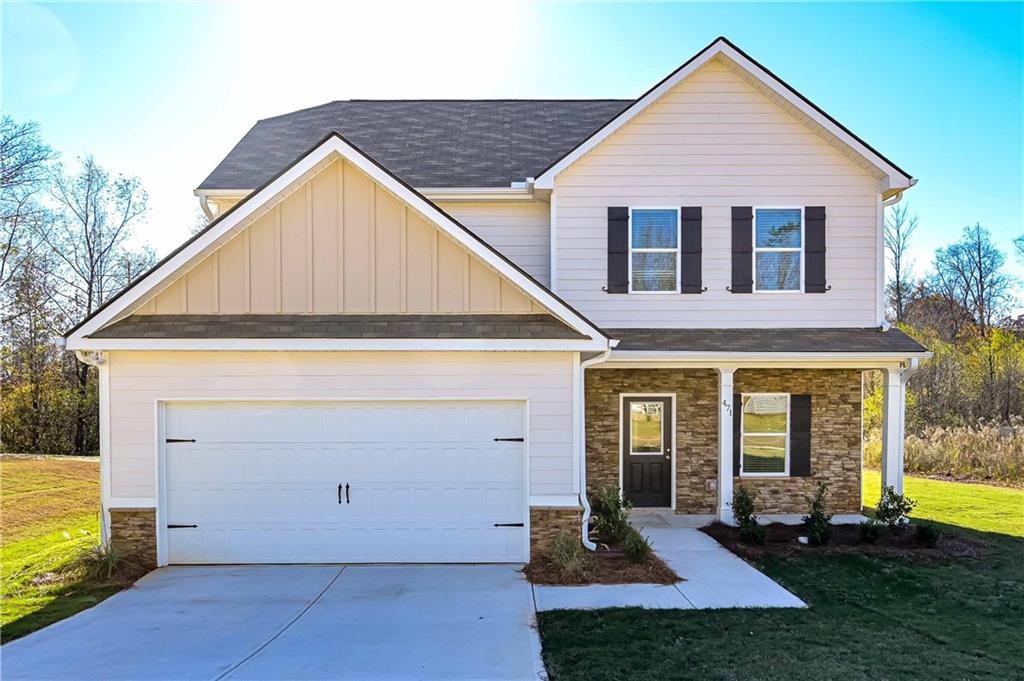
(894, 409)
(725, 406)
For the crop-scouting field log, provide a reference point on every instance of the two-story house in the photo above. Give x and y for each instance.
(427, 330)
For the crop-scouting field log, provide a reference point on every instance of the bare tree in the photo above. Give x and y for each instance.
(24, 160)
(970, 272)
(1018, 245)
(88, 236)
(899, 227)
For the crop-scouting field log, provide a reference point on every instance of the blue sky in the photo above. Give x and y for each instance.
(164, 90)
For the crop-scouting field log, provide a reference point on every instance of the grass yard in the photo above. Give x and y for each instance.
(870, 618)
(50, 518)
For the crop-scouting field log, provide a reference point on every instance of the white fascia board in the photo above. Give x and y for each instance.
(222, 193)
(333, 145)
(338, 344)
(853, 360)
(895, 179)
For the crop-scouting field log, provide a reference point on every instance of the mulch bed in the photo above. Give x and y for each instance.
(606, 567)
(897, 542)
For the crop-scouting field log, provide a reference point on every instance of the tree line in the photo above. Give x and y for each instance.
(68, 246)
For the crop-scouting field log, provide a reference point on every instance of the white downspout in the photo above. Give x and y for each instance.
(581, 440)
(205, 205)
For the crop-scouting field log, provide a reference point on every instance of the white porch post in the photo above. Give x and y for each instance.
(895, 404)
(725, 407)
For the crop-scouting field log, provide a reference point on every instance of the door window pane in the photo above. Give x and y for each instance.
(645, 429)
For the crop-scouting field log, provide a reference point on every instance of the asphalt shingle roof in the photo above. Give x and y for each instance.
(427, 143)
(766, 340)
(489, 326)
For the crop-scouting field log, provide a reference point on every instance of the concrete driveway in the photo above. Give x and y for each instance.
(296, 622)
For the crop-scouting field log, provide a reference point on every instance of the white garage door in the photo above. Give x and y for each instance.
(312, 482)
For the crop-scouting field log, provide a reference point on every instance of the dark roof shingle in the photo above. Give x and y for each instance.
(854, 340)
(487, 326)
(427, 143)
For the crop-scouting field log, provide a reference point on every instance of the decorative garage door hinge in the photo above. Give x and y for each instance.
(180, 439)
(175, 527)
(508, 524)
(508, 439)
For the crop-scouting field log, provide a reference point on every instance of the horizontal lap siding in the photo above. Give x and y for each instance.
(139, 379)
(519, 230)
(715, 142)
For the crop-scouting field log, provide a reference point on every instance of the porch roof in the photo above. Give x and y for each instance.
(769, 341)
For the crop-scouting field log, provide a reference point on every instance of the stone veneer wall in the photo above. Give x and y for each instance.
(547, 522)
(835, 438)
(133, 533)
(835, 433)
(696, 424)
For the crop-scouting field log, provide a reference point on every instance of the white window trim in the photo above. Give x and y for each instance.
(677, 250)
(755, 249)
(744, 433)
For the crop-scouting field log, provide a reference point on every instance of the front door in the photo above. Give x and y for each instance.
(647, 451)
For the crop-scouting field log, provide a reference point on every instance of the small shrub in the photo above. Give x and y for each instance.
(611, 515)
(927, 535)
(893, 509)
(743, 506)
(753, 533)
(817, 521)
(568, 557)
(636, 547)
(743, 510)
(871, 531)
(105, 563)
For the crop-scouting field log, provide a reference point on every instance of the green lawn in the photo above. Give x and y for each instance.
(50, 519)
(870, 618)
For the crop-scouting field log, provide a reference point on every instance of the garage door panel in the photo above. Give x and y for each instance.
(261, 482)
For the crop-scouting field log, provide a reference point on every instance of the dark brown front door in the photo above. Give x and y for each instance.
(647, 451)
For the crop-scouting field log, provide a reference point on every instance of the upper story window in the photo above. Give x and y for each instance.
(764, 434)
(778, 249)
(654, 250)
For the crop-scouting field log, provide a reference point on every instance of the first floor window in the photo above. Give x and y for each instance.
(778, 249)
(764, 434)
(654, 250)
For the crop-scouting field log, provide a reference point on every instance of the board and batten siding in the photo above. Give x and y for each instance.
(139, 379)
(715, 141)
(519, 230)
(339, 243)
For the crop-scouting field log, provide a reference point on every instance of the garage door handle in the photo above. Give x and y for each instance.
(339, 492)
(346, 493)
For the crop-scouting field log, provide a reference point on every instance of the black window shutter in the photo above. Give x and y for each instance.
(742, 249)
(618, 250)
(690, 250)
(800, 435)
(814, 249)
(737, 431)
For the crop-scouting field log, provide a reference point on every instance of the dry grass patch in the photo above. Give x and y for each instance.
(603, 567)
(40, 493)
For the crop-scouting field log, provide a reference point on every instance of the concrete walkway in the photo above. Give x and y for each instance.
(714, 577)
(296, 622)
